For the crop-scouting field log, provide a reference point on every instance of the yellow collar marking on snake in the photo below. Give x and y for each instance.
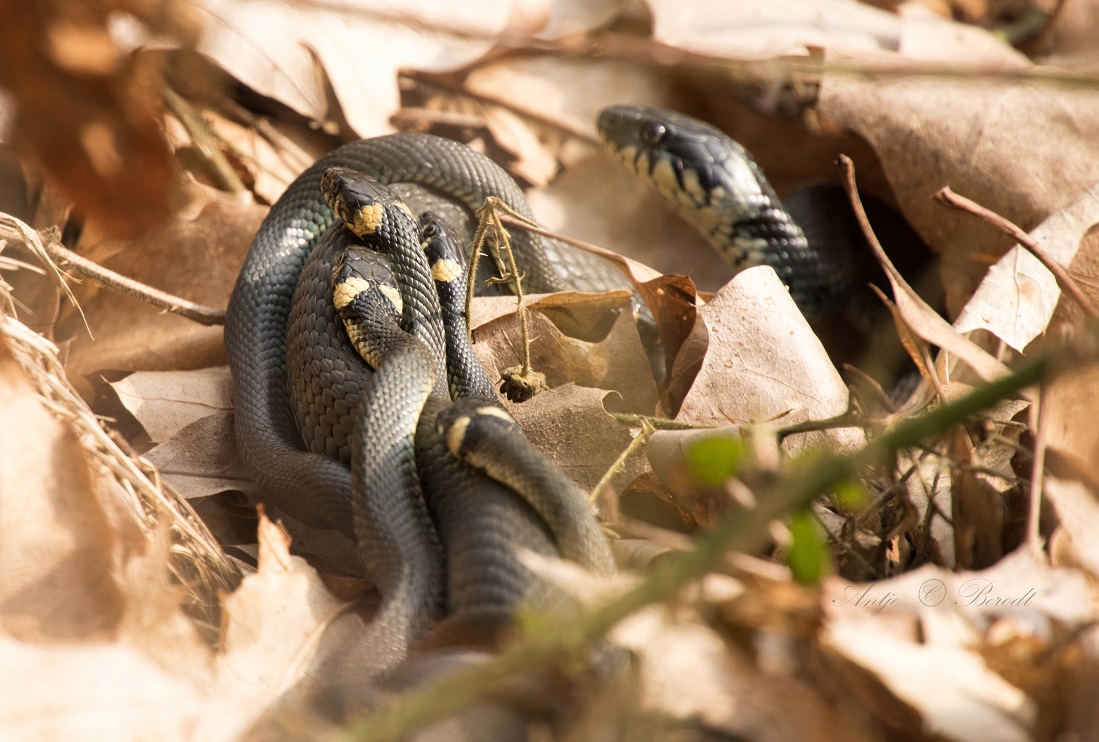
(346, 290)
(456, 434)
(368, 219)
(445, 270)
(494, 411)
(394, 296)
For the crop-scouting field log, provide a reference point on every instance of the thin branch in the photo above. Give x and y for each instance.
(1037, 470)
(1064, 280)
(747, 530)
(197, 312)
(658, 423)
(636, 444)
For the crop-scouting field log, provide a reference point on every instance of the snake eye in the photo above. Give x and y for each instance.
(653, 133)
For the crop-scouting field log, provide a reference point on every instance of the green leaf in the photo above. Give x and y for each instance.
(713, 460)
(808, 552)
(851, 495)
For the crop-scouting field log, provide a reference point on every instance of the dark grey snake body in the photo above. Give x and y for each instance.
(300, 454)
(258, 316)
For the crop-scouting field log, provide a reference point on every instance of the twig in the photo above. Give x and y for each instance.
(658, 423)
(748, 529)
(197, 312)
(604, 482)
(848, 419)
(520, 382)
(1064, 280)
(1037, 470)
(205, 140)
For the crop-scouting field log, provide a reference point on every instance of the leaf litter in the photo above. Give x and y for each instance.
(112, 580)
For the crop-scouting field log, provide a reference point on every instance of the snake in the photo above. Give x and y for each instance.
(309, 459)
(257, 320)
(722, 192)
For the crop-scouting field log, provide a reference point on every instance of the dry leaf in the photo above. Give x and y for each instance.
(975, 150)
(570, 426)
(763, 31)
(272, 628)
(286, 52)
(764, 363)
(57, 550)
(1016, 299)
(196, 258)
(165, 402)
(614, 361)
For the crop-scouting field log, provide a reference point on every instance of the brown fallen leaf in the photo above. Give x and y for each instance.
(616, 361)
(975, 150)
(195, 257)
(571, 427)
(764, 363)
(87, 111)
(57, 549)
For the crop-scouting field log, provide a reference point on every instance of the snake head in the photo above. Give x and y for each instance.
(692, 164)
(361, 202)
(442, 248)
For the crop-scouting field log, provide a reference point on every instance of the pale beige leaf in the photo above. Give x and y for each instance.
(766, 30)
(202, 458)
(764, 363)
(957, 695)
(1016, 299)
(93, 691)
(165, 402)
(1074, 542)
(272, 627)
(57, 551)
(285, 51)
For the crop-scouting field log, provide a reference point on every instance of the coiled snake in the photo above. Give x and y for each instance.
(300, 423)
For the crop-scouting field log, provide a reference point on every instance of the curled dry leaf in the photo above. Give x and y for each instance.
(764, 363)
(933, 629)
(608, 355)
(286, 52)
